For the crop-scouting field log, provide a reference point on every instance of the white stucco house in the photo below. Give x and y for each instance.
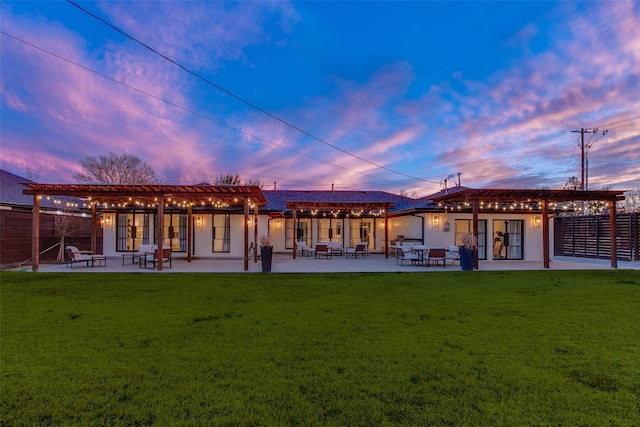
(224, 221)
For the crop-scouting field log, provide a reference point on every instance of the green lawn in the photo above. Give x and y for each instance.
(454, 348)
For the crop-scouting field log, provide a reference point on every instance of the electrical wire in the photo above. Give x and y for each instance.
(128, 86)
(250, 104)
(184, 108)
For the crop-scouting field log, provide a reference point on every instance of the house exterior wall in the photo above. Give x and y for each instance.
(435, 234)
(417, 229)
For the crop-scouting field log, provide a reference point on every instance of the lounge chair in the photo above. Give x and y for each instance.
(74, 255)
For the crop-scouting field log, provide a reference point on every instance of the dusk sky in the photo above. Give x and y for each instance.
(391, 96)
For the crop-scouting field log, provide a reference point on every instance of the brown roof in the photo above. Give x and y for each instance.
(193, 194)
(503, 195)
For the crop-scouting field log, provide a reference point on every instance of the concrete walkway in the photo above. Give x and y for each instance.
(284, 263)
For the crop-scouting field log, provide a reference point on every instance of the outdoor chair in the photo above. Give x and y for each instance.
(435, 256)
(154, 258)
(323, 251)
(453, 254)
(74, 255)
(358, 250)
(142, 251)
(403, 255)
(304, 249)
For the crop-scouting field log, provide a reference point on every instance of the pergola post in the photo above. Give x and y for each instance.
(94, 228)
(246, 234)
(545, 233)
(386, 232)
(189, 232)
(35, 234)
(612, 225)
(475, 231)
(295, 231)
(160, 229)
(255, 233)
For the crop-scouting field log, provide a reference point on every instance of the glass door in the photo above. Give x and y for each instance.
(330, 230)
(221, 233)
(302, 231)
(132, 230)
(508, 238)
(362, 230)
(175, 232)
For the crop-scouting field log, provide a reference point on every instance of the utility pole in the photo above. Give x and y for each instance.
(582, 131)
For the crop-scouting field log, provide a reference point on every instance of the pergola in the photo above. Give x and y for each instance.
(104, 196)
(343, 206)
(542, 198)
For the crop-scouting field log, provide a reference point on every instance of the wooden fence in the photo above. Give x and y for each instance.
(590, 236)
(15, 236)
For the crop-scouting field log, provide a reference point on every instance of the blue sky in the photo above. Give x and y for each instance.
(391, 96)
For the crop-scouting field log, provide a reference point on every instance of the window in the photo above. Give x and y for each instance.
(221, 233)
(508, 238)
(463, 226)
(175, 232)
(132, 230)
(330, 230)
(303, 232)
(362, 230)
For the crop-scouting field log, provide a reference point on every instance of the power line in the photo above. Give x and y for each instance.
(186, 109)
(608, 125)
(250, 104)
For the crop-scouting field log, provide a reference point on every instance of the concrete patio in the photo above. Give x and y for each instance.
(284, 263)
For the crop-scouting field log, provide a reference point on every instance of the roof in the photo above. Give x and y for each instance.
(427, 203)
(505, 195)
(283, 200)
(149, 193)
(11, 191)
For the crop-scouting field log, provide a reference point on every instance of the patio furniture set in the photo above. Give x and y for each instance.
(329, 249)
(146, 256)
(426, 256)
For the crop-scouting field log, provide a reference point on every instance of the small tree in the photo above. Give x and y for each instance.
(115, 169)
(62, 222)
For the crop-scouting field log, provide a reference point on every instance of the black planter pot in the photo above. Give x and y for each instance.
(467, 258)
(266, 255)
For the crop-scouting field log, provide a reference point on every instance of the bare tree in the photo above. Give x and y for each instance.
(572, 183)
(228, 179)
(115, 169)
(631, 203)
(231, 179)
(63, 222)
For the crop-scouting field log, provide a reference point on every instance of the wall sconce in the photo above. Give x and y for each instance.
(382, 223)
(436, 221)
(536, 221)
(278, 223)
(198, 221)
(106, 220)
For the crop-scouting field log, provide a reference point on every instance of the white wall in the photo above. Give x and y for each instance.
(436, 236)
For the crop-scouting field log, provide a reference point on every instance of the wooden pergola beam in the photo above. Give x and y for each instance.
(543, 197)
(340, 205)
